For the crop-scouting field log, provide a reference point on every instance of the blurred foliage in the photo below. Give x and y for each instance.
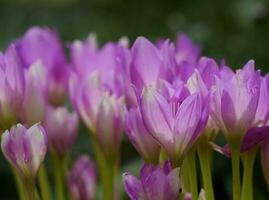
(236, 30)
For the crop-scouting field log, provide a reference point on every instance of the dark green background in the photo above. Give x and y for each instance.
(237, 30)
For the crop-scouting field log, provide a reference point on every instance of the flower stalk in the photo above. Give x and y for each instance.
(108, 169)
(191, 162)
(44, 182)
(204, 154)
(235, 155)
(248, 163)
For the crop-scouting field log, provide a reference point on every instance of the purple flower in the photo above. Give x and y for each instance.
(262, 114)
(203, 80)
(156, 183)
(146, 64)
(86, 96)
(25, 149)
(109, 62)
(144, 143)
(35, 97)
(44, 45)
(174, 124)
(110, 124)
(102, 112)
(61, 128)
(186, 55)
(82, 179)
(186, 50)
(235, 100)
(12, 87)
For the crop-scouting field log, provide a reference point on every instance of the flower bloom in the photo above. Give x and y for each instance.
(35, 97)
(101, 111)
(156, 183)
(174, 124)
(12, 87)
(44, 45)
(25, 149)
(144, 143)
(82, 179)
(61, 128)
(235, 100)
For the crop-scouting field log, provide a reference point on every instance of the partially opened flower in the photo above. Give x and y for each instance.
(82, 179)
(146, 64)
(174, 124)
(144, 143)
(25, 149)
(12, 87)
(35, 97)
(203, 80)
(262, 114)
(61, 128)
(43, 44)
(108, 61)
(86, 96)
(186, 55)
(101, 111)
(235, 100)
(156, 183)
(110, 124)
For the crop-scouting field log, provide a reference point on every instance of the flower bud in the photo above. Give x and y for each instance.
(82, 179)
(61, 128)
(25, 149)
(156, 183)
(12, 86)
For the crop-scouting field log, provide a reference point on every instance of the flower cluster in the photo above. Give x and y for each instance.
(168, 100)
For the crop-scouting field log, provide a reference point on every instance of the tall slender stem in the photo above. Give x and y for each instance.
(191, 160)
(19, 184)
(44, 182)
(248, 163)
(59, 177)
(29, 188)
(235, 154)
(108, 172)
(204, 154)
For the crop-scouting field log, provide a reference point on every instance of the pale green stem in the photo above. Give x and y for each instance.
(204, 153)
(235, 155)
(248, 163)
(44, 182)
(19, 184)
(184, 177)
(108, 170)
(191, 162)
(29, 188)
(59, 177)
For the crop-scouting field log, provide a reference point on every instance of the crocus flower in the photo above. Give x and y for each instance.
(82, 179)
(25, 149)
(144, 143)
(110, 124)
(203, 80)
(61, 128)
(262, 114)
(186, 55)
(235, 100)
(12, 87)
(174, 124)
(146, 64)
(44, 45)
(101, 111)
(156, 183)
(108, 61)
(35, 97)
